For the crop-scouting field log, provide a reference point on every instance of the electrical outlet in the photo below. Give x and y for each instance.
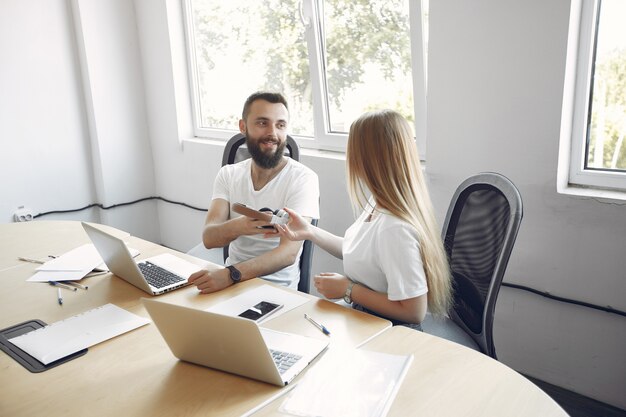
(23, 214)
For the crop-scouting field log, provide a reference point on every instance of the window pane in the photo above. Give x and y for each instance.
(368, 59)
(607, 124)
(243, 46)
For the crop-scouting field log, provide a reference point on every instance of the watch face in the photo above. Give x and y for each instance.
(348, 296)
(235, 275)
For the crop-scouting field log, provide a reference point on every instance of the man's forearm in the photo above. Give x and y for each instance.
(269, 262)
(218, 235)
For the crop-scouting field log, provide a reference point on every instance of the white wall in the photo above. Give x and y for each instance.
(112, 77)
(73, 126)
(43, 152)
(93, 107)
(496, 71)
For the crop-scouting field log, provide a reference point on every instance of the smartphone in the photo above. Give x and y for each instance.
(261, 310)
(250, 212)
(264, 214)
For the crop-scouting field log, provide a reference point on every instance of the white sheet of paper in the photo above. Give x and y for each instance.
(59, 276)
(78, 259)
(71, 266)
(68, 336)
(240, 303)
(373, 377)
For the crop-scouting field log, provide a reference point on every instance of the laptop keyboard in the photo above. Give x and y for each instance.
(157, 276)
(284, 360)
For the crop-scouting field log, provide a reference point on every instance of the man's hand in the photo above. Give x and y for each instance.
(211, 281)
(249, 226)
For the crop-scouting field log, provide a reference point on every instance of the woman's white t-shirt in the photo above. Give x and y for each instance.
(383, 254)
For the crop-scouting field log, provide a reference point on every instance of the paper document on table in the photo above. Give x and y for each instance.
(372, 377)
(238, 304)
(78, 259)
(46, 276)
(65, 337)
(72, 265)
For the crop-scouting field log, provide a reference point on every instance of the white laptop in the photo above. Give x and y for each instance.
(156, 275)
(233, 344)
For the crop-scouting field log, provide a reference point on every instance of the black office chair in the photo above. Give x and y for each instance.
(479, 233)
(234, 152)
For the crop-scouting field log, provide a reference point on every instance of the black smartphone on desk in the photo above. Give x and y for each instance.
(260, 310)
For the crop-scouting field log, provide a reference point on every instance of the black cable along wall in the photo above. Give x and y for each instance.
(607, 309)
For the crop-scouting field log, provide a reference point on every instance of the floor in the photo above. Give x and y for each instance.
(578, 405)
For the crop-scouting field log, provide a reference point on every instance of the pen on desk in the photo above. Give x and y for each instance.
(316, 324)
(59, 296)
(77, 285)
(59, 284)
(35, 261)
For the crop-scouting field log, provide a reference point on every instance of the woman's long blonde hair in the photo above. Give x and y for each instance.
(382, 158)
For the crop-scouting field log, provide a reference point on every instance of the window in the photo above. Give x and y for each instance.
(598, 115)
(333, 60)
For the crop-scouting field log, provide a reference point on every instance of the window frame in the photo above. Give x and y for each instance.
(577, 98)
(311, 12)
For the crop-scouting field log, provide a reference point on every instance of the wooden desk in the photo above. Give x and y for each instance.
(134, 374)
(459, 381)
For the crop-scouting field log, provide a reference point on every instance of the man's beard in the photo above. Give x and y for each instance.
(265, 160)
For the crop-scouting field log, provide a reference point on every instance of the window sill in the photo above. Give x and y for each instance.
(601, 195)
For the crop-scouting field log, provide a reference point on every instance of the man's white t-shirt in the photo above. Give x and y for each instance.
(384, 255)
(296, 187)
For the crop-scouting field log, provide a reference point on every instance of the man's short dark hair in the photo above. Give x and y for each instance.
(263, 95)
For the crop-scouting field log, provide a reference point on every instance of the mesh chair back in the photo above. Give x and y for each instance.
(236, 151)
(479, 232)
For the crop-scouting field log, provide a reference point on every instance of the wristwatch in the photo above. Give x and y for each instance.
(235, 274)
(348, 296)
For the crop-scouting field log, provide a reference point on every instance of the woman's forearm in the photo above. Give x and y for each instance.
(331, 243)
(412, 310)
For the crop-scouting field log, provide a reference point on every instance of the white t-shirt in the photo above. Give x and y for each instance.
(296, 187)
(384, 255)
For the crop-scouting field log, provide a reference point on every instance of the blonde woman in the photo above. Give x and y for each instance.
(393, 258)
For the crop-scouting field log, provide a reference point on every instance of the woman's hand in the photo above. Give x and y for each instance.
(298, 228)
(331, 285)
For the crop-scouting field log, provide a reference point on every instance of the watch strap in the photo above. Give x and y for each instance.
(348, 296)
(235, 274)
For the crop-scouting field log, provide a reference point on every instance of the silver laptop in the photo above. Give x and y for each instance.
(233, 344)
(146, 275)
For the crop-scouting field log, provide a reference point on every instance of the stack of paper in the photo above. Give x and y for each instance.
(72, 265)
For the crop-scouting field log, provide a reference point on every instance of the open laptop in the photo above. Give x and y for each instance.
(233, 344)
(170, 273)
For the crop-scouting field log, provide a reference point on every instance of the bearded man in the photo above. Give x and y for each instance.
(268, 179)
